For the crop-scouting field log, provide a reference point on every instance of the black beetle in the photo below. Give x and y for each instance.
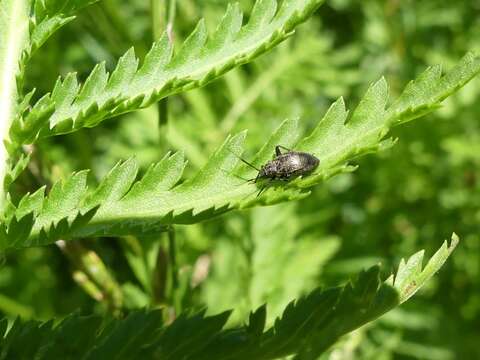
(285, 166)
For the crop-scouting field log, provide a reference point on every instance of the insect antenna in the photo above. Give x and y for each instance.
(244, 161)
(252, 180)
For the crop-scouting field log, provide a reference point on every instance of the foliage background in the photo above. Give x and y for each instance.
(410, 197)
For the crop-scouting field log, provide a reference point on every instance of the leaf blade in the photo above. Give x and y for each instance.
(198, 62)
(218, 187)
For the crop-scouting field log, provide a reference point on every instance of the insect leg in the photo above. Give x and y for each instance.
(238, 176)
(264, 187)
(278, 147)
(261, 191)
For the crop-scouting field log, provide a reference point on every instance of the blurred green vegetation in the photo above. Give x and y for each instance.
(409, 197)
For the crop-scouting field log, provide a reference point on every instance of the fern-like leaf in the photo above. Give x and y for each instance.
(123, 205)
(50, 16)
(200, 59)
(307, 328)
(20, 35)
(360, 304)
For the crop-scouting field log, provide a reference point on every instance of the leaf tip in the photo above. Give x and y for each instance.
(454, 241)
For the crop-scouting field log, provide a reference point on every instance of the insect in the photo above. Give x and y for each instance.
(285, 166)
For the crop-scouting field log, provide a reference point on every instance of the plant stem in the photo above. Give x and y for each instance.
(92, 275)
(14, 21)
(174, 289)
(173, 257)
(163, 15)
(13, 308)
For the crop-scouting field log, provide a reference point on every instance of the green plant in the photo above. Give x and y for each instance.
(123, 204)
(307, 327)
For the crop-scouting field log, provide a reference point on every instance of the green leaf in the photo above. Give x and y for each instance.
(335, 141)
(410, 276)
(279, 261)
(49, 8)
(149, 205)
(200, 60)
(16, 168)
(307, 328)
(256, 321)
(20, 36)
(48, 17)
(367, 299)
(14, 23)
(40, 33)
